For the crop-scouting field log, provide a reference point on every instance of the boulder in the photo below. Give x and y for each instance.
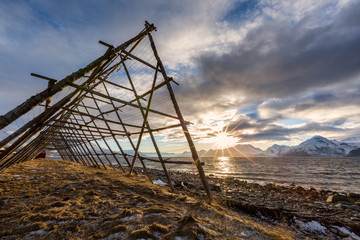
(337, 198)
(346, 206)
(353, 196)
(215, 187)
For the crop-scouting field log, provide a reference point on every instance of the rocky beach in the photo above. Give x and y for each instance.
(53, 199)
(291, 205)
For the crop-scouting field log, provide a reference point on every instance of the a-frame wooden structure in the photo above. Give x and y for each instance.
(123, 98)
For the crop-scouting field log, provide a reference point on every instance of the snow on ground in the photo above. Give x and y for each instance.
(312, 226)
(159, 182)
(346, 231)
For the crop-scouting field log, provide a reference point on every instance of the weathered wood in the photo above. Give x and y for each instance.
(194, 153)
(81, 130)
(42, 96)
(43, 77)
(108, 126)
(119, 100)
(140, 60)
(47, 113)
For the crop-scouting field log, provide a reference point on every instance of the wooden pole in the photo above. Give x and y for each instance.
(194, 153)
(37, 99)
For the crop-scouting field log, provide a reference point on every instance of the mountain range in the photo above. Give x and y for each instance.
(316, 146)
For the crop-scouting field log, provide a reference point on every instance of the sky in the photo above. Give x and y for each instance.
(263, 72)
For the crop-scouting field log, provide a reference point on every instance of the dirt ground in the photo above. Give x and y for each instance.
(53, 199)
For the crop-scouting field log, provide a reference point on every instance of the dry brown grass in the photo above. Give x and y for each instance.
(48, 199)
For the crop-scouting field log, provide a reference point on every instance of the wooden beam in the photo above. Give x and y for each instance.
(119, 100)
(192, 147)
(35, 100)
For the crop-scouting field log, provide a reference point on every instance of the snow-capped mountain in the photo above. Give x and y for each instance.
(317, 146)
(354, 153)
(353, 141)
(321, 147)
(277, 150)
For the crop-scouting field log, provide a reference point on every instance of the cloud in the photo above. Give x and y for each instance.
(279, 133)
(281, 59)
(38, 36)
(246, 65)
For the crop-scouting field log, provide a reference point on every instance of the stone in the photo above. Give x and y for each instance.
(354, 207)
(353, 195)
(215, 187)
(355, 219)
(299, 189)
(348, 206)
(337, 198)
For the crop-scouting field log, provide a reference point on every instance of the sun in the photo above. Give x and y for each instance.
(223, 140)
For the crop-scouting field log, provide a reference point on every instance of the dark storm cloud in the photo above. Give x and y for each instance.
(348, 94)
(282, 59)
(323, 97)
(280, 133)
(337, 122)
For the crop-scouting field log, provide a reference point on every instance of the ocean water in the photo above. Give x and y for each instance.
(337, 174)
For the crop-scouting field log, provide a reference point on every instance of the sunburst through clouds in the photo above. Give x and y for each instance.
(223, 140)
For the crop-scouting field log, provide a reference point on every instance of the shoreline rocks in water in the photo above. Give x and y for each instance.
(278, 202)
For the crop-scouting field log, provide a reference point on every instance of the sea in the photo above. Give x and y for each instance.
(328, 173)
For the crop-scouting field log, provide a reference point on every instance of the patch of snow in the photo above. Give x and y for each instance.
(39, 232)
(18, 178)
(141, 204)
(157, 234)
(117, 235)
(201, 236)
(180, 238)
(55, 222)
(312, 226)
(153, 214)
(159, 182)
(126, 219)
(346, 231)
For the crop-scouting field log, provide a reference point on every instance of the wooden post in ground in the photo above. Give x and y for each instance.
(194, 153)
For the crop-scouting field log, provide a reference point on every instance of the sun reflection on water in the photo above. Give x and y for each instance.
(223, 158)
(224, 164)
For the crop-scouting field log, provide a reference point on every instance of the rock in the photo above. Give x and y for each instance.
(355, 219)
(353, 195)
(354, 207)
(337, 198)
(299, 189)
(269, 186)
(348, 206)
(215, 187)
